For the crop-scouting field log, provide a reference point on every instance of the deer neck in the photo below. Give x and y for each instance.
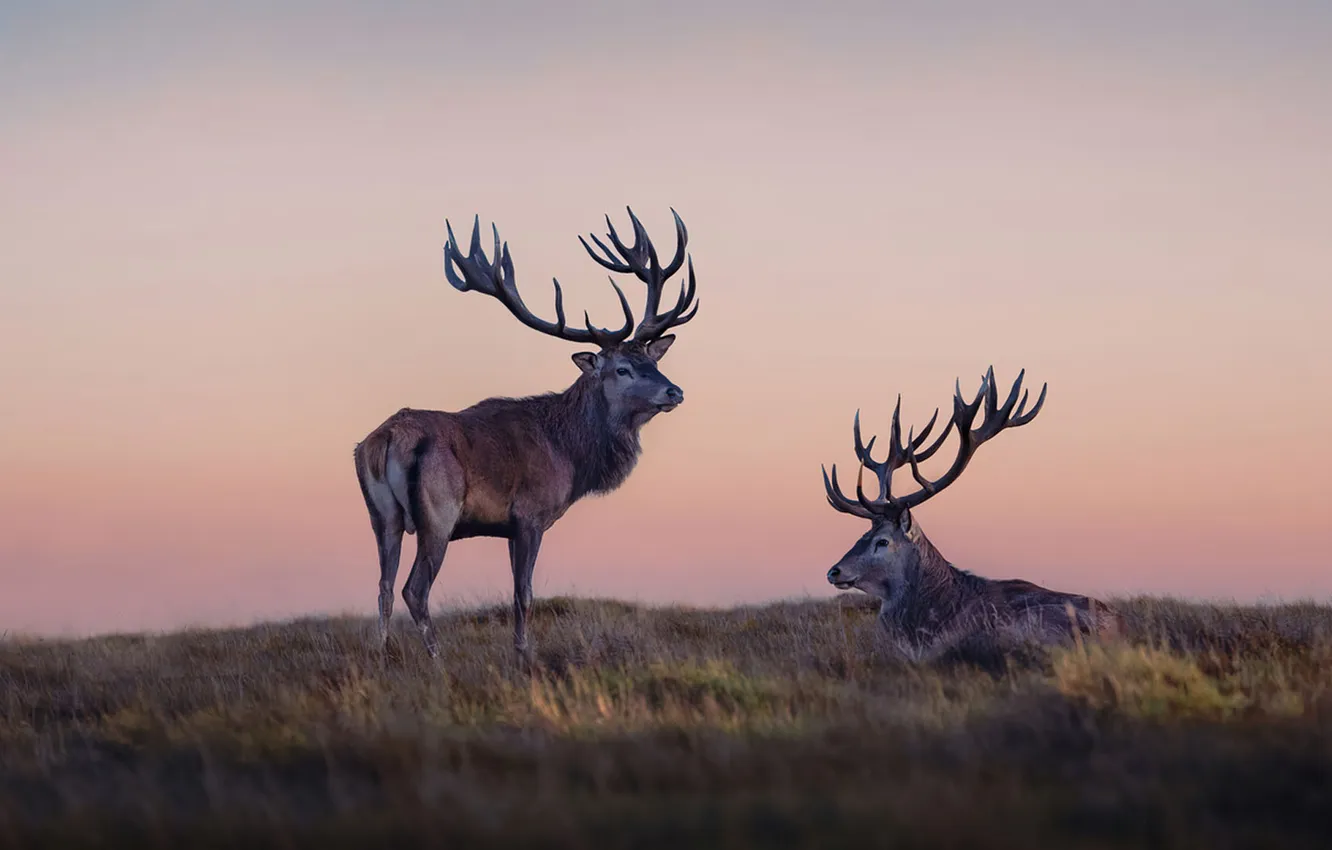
(936, 592)
(934, 570)
(601, 448)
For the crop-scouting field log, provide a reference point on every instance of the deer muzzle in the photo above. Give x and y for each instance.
(839, 580)
(672, 398)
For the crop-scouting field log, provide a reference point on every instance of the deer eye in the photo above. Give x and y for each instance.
(622, 372)
(880, 543)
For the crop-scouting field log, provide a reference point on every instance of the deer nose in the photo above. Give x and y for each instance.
(833, 574)
(675, 394)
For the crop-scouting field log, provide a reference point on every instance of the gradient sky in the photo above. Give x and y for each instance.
(220, 251)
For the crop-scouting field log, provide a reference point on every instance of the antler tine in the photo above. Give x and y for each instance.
(1020, 419)
(643, 246)
(632, 254)
(477, 272)
(924, 432)
(652, 327)
(608, 261)
(635, 259)
(883, 470)
(895, 456)
(865, 507)
(895, 432)
(681, 241)
(640, 259)
(997, 417)
(934, 447)
(838, 499)
(559, 303)
(873, 506)
(450, 272)
(475, 247)
(914, 459)
(914, 443)
(474, 271)
(605, 338)
(862, 450)
(674, 319)
(991, 394)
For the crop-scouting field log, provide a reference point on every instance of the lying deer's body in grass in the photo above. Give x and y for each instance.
(927, 600)
(509, 467)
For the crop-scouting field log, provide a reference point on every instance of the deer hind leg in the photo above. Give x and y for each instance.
(434, 484)
(390, 553)
(386, 519)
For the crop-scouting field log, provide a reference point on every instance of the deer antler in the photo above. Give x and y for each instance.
(997, 418)
(883, 470)
(640, 260)
(495, 278)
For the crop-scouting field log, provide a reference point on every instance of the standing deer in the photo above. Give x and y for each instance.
(509, 467)
(926, 599)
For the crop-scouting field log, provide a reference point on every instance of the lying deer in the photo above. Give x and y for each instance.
(510, 467)
(927, 600)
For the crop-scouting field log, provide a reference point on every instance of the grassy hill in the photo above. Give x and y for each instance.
(789, 725)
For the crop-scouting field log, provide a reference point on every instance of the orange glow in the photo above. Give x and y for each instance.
(222, 268)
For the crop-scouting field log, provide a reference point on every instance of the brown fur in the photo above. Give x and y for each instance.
(372, 454)
(942, 599)
(927, 601)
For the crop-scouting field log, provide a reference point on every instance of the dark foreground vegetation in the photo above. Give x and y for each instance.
(791, 725)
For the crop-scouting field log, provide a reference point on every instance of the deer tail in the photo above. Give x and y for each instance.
(372, 456)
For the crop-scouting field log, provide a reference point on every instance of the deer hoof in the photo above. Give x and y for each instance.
(525, 657)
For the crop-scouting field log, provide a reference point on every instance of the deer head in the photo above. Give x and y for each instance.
(624, 366)
(888, 558)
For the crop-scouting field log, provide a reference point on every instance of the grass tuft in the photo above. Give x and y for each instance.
(1142, 682)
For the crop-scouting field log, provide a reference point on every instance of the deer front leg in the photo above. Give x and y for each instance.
(523, 548)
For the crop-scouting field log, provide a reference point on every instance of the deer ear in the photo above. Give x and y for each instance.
(587, 361)
(904, 522)
(658, 347)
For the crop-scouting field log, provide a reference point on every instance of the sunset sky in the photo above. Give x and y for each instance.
(220, 267)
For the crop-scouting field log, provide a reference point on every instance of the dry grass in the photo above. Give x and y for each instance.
(790, 725)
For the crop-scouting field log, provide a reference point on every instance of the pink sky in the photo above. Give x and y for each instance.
(221, 269)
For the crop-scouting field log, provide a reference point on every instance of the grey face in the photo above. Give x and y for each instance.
(633, 385)
(881, 561)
